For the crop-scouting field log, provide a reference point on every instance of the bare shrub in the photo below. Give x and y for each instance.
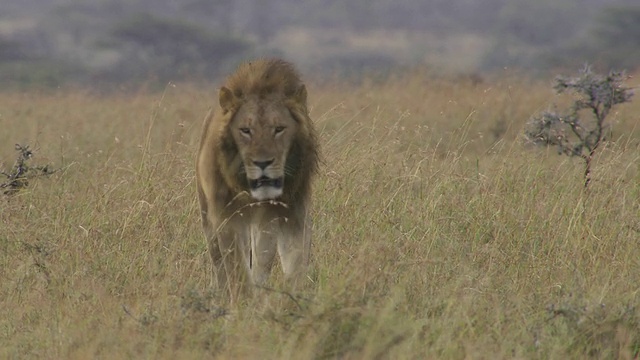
(573, 133)
(21, 172)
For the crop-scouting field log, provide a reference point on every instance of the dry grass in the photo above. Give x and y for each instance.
(438, 232)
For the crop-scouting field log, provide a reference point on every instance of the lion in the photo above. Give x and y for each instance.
(257, 157)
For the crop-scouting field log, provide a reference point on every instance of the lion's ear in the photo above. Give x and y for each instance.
(227, 99)
(300, 95)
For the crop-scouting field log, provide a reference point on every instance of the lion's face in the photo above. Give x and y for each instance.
(263, 131)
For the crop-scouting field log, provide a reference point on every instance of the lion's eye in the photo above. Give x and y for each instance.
(279, 129)
(245, 131)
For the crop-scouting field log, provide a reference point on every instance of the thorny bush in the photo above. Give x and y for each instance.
(573, 133)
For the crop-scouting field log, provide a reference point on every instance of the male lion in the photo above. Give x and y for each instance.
(258, 154)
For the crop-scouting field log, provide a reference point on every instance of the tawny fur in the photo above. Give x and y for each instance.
(244, 234)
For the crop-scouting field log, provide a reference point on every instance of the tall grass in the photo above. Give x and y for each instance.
(438, 232)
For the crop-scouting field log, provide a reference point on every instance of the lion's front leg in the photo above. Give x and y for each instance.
(219, 274)
(263, 251)
(294, 249)
(230, 267)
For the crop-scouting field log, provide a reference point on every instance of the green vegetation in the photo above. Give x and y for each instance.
(107, 42)
(165, 49)
(438, 232)
(617, 34)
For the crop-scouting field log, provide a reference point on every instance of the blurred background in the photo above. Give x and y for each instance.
(52, 43)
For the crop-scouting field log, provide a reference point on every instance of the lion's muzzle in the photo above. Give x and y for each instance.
(265, 181)
(265, 188)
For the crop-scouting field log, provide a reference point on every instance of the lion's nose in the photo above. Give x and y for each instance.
(263, 164)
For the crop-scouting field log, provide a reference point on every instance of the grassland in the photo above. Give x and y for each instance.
(439, 233)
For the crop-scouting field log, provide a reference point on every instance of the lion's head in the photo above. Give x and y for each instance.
(269, 142)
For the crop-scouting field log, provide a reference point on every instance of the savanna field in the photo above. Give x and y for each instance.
(440, 232)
